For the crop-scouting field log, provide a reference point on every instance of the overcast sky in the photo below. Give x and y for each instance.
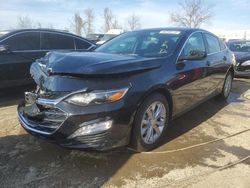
(228, 14)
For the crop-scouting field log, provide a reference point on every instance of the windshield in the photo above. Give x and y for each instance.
(240, 46)
(143, 43)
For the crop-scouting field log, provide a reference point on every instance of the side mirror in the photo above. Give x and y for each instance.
(194, 55)
(4, 49)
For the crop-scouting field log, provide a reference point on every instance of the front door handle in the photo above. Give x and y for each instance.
(208, 63)
(224, 58)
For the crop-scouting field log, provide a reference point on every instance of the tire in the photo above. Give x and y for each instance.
(227, 86)
(146, 123)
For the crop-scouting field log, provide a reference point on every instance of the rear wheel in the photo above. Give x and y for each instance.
(227, 85)
(150, 123)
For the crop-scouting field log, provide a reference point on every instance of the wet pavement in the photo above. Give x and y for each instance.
(206, 147)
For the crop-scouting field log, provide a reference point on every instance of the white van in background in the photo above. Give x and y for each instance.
(109, 35)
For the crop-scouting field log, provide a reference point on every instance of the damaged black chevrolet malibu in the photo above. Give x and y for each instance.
(126, 91)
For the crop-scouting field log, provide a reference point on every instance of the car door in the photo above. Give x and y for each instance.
(217, 57)
(191, 80)
(14, 65)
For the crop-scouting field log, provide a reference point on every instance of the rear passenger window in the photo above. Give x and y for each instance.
(53, 41)
(81, 44)
(195, 42)
(222, 45)
(213, 44)
(24, 41)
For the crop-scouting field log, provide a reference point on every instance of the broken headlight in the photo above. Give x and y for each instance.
(96, 97)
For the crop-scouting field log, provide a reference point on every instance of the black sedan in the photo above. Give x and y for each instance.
(241, 49)
(20, 48)
(128, 90)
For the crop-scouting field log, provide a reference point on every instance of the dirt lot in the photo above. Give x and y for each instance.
(207, 147)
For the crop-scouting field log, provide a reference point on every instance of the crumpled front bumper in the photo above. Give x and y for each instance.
(73, 118)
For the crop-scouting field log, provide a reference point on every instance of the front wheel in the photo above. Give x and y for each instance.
(150, 123)
(227, 85)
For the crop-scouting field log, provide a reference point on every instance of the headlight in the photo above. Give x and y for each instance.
(233, 59)
(246, 63)
(96, 97)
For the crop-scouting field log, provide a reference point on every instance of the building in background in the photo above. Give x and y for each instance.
(232, 34)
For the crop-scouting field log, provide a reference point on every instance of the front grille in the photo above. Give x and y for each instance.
(45, 119)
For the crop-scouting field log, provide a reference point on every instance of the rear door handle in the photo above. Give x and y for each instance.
(224, 58)
(208, 63)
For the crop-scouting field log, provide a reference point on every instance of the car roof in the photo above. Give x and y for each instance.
(41, 29)
(14, 31)
(184, 30)
(174, 29)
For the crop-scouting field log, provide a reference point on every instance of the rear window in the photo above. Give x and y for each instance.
(54, 41)
(81, 44)
(222, 45)
(24, 41)
(213, 43)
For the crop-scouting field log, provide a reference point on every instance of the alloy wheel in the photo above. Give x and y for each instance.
(153, 122)
(228, 85)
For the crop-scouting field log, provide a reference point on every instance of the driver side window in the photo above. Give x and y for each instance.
(194, 43)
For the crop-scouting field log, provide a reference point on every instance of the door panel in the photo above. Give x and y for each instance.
(217, 60)
(217, 70)
(15, 65)
(190, 84)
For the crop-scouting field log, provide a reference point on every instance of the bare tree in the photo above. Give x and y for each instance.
(24, 22)
(39, 25)
(89, 17)
(192, 13)
(110, 20)
(133, 22)
(77, 24)
(115, 24)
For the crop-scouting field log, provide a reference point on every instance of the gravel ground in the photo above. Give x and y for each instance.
(207, 147)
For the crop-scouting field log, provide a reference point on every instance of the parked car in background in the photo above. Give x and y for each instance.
(94, 37)
(127, 90)
(109, 35)
(19, 48)
(241, 50)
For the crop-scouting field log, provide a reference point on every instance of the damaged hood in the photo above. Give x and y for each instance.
(94, 63)
(242, 56)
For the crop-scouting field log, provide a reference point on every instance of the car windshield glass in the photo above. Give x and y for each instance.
(143, 43)
(242, 46)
